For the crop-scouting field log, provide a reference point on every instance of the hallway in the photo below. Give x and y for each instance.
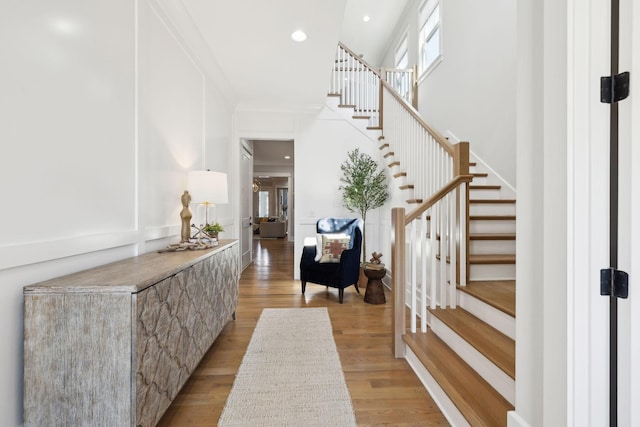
(384, 390)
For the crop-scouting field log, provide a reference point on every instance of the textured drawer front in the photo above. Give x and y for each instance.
(178, 320)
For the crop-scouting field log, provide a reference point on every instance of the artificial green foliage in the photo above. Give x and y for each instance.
(213, 228)
(364, 186)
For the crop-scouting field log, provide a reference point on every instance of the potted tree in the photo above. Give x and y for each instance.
(364, 187)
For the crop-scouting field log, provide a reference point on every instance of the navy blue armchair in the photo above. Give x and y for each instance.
(340, 274)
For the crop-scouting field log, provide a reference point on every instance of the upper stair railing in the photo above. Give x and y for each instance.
(429, 244)
(358, 85)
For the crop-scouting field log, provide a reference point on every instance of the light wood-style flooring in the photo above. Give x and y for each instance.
(384, 390)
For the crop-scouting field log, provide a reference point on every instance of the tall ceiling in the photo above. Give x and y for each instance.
(246, 44)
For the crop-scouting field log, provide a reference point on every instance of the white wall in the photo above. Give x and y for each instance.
(321, 145)
(471, 93)
(96, 141)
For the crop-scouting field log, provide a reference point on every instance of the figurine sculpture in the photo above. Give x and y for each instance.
(375, 263)
(185, 216)
(375, 258)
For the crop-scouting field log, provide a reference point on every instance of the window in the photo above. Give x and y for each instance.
(283, 203)
(402, 80)
(429, 46)
(402, 54)
(263, 204)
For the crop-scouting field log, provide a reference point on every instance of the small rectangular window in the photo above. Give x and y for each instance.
(429, 40)
(263, 204)
(402, 54)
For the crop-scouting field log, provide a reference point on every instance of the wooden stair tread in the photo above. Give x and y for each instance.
(406, 187)
(492, 201)
(399, 174)
(392, 164)
(492, 217)
(493, 344)
(346, 106)
(362, 117)
(492, 236)
(492, 259)
(485, 187)
(414, 201)
(479, 174)
(478, 402)
(500, 294)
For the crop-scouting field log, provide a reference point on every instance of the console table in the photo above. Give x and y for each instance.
(113, 345)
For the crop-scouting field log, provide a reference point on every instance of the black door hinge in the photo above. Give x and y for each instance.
(614, 282)
(614, 88)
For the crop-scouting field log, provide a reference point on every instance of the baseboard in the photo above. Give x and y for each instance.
(446, 406)
(515, 420)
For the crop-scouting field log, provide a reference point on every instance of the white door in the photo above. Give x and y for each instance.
(246, 202)
(629, 220)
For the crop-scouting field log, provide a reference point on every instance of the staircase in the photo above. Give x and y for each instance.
(468, 352)
(466, 355)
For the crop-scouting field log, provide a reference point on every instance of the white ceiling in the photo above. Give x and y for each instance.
(246, 45)
(371, 39)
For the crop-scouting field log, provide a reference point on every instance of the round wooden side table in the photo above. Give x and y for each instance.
(375, 289)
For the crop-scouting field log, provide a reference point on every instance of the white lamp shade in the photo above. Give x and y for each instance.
(208, 187)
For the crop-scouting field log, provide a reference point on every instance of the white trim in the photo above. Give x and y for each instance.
(35, 252)
(587, 214)
(629, 209)
(446, 406)
(515, 420)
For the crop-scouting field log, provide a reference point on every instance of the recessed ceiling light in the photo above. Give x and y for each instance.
(287, 157)
(299, 36)
(366, 18)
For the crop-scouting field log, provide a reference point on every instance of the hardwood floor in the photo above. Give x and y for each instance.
(384, 390)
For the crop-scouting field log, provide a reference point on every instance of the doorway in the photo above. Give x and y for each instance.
(273, 167)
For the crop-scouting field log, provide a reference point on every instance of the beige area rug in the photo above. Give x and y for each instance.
(290, 375)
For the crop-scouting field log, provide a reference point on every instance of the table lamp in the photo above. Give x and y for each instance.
(208, 188)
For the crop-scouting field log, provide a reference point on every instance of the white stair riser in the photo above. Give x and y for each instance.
(484, 193)
(488, 314)
(492, 208)
(478, 180)
(495, 376)
(402, 180)
(480, 247)
(333, 102)
(492, 272)
(492, 226)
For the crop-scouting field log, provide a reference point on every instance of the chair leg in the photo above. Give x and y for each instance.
(304, 287)
(357, 289)
(340, 294)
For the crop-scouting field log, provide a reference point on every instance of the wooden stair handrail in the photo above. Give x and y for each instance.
(436, 197)
(436, 135)
(360, 60)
